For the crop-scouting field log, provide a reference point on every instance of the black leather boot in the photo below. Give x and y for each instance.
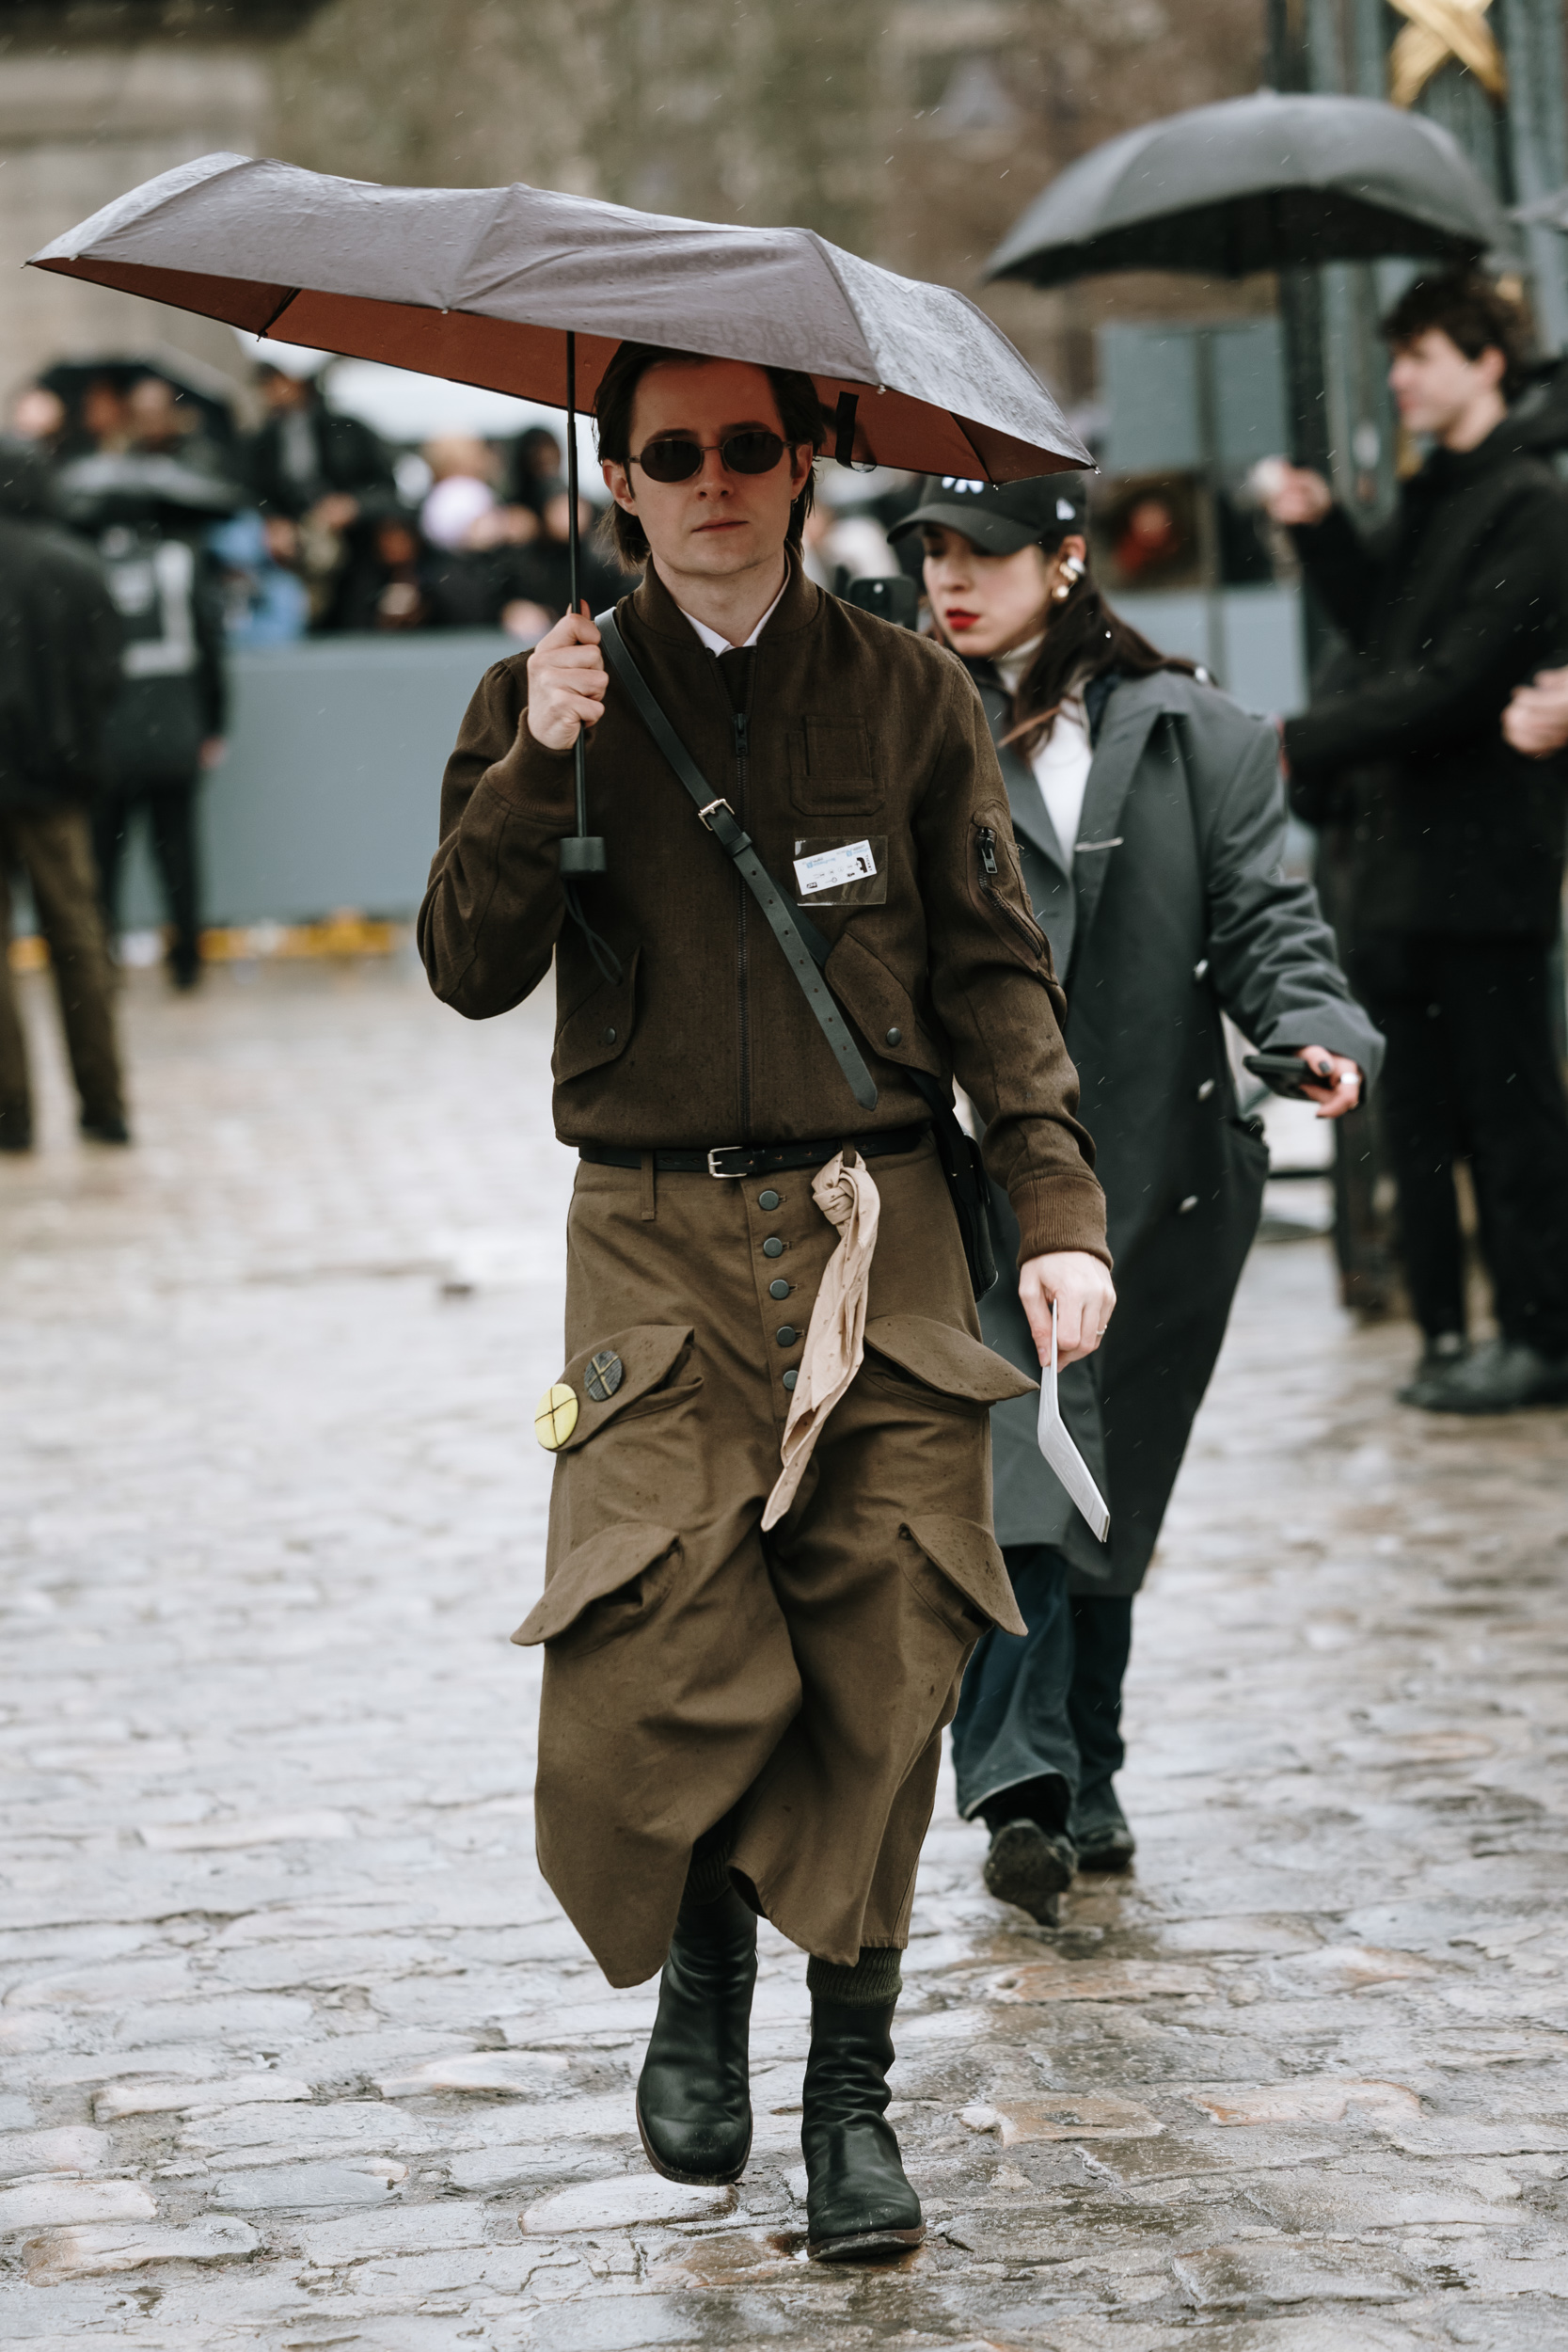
(859, 2206)
(693, 2096)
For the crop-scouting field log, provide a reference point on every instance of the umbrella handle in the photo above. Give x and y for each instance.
(583, 853)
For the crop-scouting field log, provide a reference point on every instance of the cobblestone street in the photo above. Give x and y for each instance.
(296, 2048)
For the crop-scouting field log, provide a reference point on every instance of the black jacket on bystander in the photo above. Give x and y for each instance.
(60, 647)
(1458, 598)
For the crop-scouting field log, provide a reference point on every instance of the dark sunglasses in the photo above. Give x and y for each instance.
(678, 459)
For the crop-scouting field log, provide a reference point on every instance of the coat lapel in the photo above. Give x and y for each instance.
(1047, 875)
(1130, 718)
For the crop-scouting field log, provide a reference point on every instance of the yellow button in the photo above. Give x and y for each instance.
(557, 1417)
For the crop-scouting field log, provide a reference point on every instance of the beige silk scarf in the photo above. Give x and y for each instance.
(835, 1337)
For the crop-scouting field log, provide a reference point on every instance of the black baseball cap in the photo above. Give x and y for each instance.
(1001, 516)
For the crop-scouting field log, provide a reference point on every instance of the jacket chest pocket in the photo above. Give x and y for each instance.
(829, 767)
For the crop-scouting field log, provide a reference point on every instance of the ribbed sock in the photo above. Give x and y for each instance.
(875, 1982)
(707, 1875)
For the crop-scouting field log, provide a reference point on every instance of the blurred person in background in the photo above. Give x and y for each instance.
(842, 546)
(60, 669)
(1450, 609)
(101, 425)
(167, 727)
(536, 465)
(38, 415)
(322, 482)
(263, 603)
(1151, 823)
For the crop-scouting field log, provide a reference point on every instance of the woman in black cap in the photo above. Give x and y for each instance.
(1151, 823)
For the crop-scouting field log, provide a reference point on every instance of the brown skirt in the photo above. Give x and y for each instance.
(697, 1671)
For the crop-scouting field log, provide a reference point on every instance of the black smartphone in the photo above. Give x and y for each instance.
(895, 599)
(1285, 1074)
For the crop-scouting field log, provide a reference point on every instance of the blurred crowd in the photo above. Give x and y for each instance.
(313, 524)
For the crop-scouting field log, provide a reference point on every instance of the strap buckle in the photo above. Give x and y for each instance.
(718, 1152)
(706, 816)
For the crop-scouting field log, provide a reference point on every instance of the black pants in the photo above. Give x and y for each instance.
(1050, 1703)
(1472, 1073)
(170, 806)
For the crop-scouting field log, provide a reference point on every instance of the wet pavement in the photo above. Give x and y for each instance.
(296, 2049)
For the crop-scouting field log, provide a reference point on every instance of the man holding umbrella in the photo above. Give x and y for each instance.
(770, 1541)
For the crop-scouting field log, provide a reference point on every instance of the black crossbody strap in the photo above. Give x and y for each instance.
(805, 946)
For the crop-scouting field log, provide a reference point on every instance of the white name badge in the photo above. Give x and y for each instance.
(835, 868)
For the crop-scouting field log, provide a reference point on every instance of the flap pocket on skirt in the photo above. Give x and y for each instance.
(967, 1557)
(942, 1358)
(620, 1560)
(637, 1362)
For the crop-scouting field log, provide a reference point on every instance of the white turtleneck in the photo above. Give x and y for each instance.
(1062, 762)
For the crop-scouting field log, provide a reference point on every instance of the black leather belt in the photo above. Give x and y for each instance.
(756, 1159)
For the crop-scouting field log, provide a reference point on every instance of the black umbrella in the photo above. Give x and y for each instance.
(1264, 182)
(202, 387)
(531, 292)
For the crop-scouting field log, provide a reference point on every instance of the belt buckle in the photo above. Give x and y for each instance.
(733, 1175)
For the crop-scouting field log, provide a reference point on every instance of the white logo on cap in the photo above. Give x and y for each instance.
(1066, 511)
(951, 482)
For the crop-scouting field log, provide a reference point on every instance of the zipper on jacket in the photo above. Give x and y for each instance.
(743, 752)
(1029, 932)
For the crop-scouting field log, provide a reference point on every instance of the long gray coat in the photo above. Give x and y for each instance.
(1176, 907)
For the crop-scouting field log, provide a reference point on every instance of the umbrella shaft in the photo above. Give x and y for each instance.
(579, 750)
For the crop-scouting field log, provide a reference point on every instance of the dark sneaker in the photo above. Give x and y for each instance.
(1102, 1833)
(106, 1129)
(1029, 1866)
(1502, 1376)
(1439, 1356)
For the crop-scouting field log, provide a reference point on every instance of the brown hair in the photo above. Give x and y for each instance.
(1475, 314)
(800, 419)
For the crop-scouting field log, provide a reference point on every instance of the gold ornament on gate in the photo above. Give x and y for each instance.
(1439, 30)
(557, 1417)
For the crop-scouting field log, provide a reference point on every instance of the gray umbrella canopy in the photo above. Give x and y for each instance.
(485, 285)
(1263, 183)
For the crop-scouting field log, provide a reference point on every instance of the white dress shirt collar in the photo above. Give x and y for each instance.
(716, 644)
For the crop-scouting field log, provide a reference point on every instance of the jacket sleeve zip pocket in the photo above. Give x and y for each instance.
(1029, 932)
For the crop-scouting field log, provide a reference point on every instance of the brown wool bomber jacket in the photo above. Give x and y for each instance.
(851, 729)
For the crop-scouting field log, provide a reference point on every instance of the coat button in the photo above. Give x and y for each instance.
(773, 1247)
(768, 1199)
(1190, 1202)
(1205, 1090)
(895, 1036)
(609, 1037)
(777, 1290)
(791, 1378)
(603, 1374)
(787, 1335)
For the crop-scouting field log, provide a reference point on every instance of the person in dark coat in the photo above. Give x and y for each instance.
(323, 483)
(167, 724)
(1151, 823)
(60, 669)
(1456, 602)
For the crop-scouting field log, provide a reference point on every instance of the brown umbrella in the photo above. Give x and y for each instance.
(495, 286)
(529, 292)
